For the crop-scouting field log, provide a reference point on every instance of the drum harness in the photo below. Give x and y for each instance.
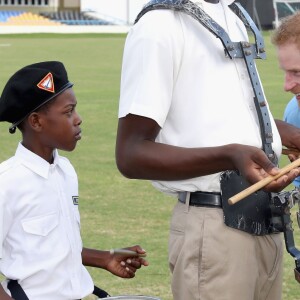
(279, 205)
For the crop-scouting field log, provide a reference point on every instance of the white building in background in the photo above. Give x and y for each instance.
(123, 11)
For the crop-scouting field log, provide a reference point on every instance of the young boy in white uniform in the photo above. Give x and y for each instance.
(41, 252)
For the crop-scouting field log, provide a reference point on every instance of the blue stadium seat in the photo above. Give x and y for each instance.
(6, 14)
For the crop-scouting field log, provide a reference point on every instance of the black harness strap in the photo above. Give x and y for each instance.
(244, 50)
(16, 290)
(100, 293)
(18, 293)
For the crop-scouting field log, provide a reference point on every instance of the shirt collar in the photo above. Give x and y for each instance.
(36, 163)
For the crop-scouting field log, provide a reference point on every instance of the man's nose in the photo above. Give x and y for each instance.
(289, 83)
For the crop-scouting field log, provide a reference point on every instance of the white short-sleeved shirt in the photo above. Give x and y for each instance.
(175, 72)
(40, 227)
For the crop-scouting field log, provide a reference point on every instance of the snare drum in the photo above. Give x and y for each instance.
(131, 297)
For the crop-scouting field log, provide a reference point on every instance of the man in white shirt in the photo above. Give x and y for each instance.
(41, 252)
(187, 114)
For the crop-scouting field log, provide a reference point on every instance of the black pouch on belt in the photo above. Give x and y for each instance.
(252, 214)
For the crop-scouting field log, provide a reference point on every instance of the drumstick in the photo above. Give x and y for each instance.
(260, 184)
(126, 252)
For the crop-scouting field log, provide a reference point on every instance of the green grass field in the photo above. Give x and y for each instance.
(115, 211)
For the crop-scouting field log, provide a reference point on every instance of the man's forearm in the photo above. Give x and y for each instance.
(290, 135)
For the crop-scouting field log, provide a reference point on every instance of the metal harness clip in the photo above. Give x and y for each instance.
(281, 206)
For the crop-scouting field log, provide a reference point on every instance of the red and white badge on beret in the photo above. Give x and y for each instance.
(47, 83)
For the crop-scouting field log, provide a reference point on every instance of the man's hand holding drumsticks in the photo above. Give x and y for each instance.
(267, 176)
(255, 167)
(262, 183)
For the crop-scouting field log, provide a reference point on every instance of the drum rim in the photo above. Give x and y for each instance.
(132, 297)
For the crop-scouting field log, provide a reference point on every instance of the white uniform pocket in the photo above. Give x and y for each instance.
(41, 225)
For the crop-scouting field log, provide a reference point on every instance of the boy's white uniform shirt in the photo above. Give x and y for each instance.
(40, 227)
(175, 72)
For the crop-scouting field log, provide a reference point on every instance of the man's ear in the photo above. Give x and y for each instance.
(35, 121)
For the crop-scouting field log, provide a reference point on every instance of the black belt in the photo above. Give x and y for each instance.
(202, 199)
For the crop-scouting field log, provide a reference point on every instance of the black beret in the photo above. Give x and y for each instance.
(30, 88)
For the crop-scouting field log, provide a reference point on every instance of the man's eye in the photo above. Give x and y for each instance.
(296, 73)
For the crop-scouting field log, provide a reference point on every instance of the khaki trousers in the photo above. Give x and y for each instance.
(210, 261)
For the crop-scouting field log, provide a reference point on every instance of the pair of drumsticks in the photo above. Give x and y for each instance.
(260, 184)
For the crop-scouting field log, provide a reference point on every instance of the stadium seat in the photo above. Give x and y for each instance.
(49, 18)
(24, 18)
(5, 15)
(74, 18)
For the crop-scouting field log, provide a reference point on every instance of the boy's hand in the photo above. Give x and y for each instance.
(125, 265)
